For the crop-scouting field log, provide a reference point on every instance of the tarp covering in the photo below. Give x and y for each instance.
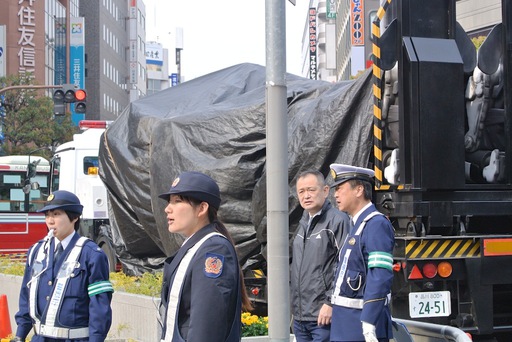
(216, 124)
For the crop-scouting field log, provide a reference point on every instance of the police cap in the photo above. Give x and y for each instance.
(341, 173)
(195, 185)
(64, 200)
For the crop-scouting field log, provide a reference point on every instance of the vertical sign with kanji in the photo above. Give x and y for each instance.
(312, 43)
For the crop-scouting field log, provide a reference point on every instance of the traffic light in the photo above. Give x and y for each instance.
(68, 94)
(59, 107)
(80, 97)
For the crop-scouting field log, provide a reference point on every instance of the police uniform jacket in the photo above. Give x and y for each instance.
(315, 254)
(209, 305)
(79, 308)
(368, 276)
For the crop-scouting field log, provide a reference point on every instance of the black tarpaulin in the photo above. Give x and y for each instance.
(216, 124)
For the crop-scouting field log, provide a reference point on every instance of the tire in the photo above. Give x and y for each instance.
(104, 244)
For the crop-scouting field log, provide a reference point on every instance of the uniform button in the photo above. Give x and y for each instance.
(72, 275)
(50, 283)
(47, 298)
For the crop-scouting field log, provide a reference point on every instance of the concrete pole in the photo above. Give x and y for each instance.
(277, 172)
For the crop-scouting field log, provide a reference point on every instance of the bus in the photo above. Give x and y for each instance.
(24, 187)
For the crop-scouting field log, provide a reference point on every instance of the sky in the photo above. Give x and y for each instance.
(222, 33)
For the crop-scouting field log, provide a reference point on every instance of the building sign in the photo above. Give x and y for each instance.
(331, 9)
(312, 44)
(26, 34)
(174, 80)
(357, 22)
(77, 60)
(154, 56)
(3, 50)
(60, 51)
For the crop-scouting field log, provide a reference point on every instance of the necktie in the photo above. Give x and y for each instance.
(58, 252)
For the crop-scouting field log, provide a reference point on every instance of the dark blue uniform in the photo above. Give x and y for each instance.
(209, 305)
(366, 267)
(82, 305)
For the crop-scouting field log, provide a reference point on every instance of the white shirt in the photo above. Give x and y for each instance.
(356, 216)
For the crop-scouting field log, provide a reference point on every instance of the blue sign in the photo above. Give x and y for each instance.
(174, 80)
(77, 61)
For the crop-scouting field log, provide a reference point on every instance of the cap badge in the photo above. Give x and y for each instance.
(50, 198)
(333, 174)
(352, 241)
(175, 182)
(213, 265)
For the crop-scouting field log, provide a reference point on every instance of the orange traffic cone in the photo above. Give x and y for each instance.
(5, 319)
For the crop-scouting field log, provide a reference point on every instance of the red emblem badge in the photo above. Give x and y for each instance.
(213, 265)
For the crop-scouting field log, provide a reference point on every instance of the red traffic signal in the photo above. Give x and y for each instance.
(80, 95)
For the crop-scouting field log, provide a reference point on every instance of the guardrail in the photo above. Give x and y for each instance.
(428, 332)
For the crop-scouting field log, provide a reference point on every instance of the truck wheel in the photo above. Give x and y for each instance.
(109, 251)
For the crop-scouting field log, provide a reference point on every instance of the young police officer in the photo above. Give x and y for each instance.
(66, 292)
(202, 291)
(363, 279)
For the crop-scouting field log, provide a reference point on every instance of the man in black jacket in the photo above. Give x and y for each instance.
(316, 245)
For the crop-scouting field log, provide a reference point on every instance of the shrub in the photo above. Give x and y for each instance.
(253, 325)
(12, 265)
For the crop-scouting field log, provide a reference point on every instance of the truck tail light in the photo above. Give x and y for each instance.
(444, 269)
(429, 270)
(415, 273)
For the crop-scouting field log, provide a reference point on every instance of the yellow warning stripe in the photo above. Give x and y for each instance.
(377, 95)
(436, 249)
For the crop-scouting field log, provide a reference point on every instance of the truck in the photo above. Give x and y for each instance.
(442, 147)
(74, 167)
(27, 180)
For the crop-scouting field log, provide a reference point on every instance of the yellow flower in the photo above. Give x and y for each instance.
(253, 325)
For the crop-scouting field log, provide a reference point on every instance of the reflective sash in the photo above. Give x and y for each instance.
(343, 269)
(177, 284)
(65, 272)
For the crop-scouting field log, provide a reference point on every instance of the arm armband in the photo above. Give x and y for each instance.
(100, 287)
(380, 260)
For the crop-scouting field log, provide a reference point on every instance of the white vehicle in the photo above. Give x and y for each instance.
(74, 167)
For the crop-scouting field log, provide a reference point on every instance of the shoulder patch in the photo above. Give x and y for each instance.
(213, 265)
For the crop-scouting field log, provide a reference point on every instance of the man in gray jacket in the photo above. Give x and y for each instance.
(317, 241)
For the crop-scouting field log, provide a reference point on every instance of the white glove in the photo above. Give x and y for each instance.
(369, 332)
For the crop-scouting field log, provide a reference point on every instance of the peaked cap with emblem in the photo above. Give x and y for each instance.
(64, 200)
(341, 173)
(195, 185)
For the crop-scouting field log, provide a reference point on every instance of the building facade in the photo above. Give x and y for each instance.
(115, 34)
(157, 66)
(98, 45)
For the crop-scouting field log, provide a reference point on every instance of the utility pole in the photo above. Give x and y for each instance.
(277, 172)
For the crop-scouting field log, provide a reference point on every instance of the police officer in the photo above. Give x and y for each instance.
(364, 275)
(66, 292)
(202, 290)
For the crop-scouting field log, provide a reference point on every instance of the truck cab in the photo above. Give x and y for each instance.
(74, 167)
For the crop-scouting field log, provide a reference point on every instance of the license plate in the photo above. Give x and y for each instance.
(429, 304)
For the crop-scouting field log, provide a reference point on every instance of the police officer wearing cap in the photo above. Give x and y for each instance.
(362, 284)
(66, 292)
(202, 291)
